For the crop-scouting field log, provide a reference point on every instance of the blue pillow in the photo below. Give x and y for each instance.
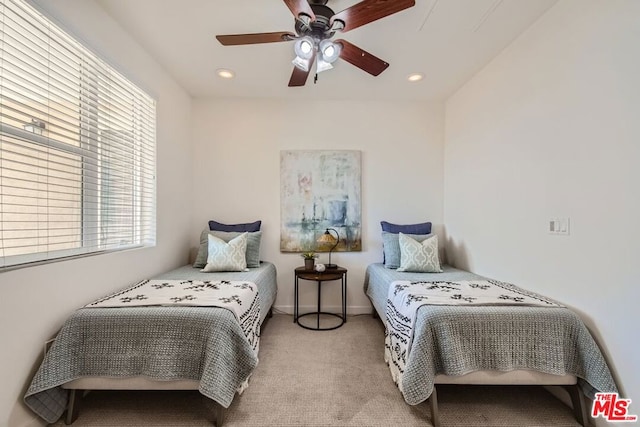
(421, 228)
(249, 227)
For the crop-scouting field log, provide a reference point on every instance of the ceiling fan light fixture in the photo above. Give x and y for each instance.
(304, 47)
(301, 63)
(323, 66)
(330, 51)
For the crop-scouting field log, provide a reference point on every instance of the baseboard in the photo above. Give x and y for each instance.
(351, 310)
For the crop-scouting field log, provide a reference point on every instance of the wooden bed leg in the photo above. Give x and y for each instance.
(578, 404)
(433, 403)
(72, 406)
(218, 414)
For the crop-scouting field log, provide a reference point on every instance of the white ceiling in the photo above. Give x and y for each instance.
(446, 40)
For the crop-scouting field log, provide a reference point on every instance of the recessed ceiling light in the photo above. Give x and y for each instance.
(225, 74)
(415, 77)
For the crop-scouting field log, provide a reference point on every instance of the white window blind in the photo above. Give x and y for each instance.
(77, 147)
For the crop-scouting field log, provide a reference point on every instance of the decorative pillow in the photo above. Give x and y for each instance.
(421, 257)
(225, 256)
(248, 227)
(391, 247)
(421, 228)
(253, 246)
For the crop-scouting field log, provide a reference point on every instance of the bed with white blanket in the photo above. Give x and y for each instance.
(466, 329)
(165, 333)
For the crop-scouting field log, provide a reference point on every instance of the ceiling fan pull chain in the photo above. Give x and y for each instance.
(315, 79)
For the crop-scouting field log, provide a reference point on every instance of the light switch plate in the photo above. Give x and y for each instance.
(559, 226)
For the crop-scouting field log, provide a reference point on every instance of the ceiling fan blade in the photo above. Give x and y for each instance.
(361, 59)
(299, 76)
(239, 39)
(298, 7)
(368, 11)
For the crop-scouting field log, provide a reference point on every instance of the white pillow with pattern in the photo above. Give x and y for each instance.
(420, 257)
(226, 256)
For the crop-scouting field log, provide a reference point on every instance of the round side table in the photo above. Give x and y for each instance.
(329, 274)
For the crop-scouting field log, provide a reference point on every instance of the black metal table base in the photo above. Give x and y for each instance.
(320, 278)
(317, 314)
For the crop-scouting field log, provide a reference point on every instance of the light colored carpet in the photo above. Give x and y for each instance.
(326, 378)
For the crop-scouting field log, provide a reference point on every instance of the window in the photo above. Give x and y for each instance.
(77, 147)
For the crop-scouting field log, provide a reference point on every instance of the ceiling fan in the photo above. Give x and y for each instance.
(315, 25)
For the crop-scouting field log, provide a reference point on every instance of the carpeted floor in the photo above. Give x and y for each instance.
(326, 378)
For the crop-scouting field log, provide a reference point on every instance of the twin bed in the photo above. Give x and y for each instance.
(489, 344)
(152, 348)
(517, 337)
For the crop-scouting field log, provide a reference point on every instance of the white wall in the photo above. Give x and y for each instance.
(237, 146)
(35, 301)
(551, 128)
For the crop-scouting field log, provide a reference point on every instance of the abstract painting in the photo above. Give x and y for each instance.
(318, 190)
